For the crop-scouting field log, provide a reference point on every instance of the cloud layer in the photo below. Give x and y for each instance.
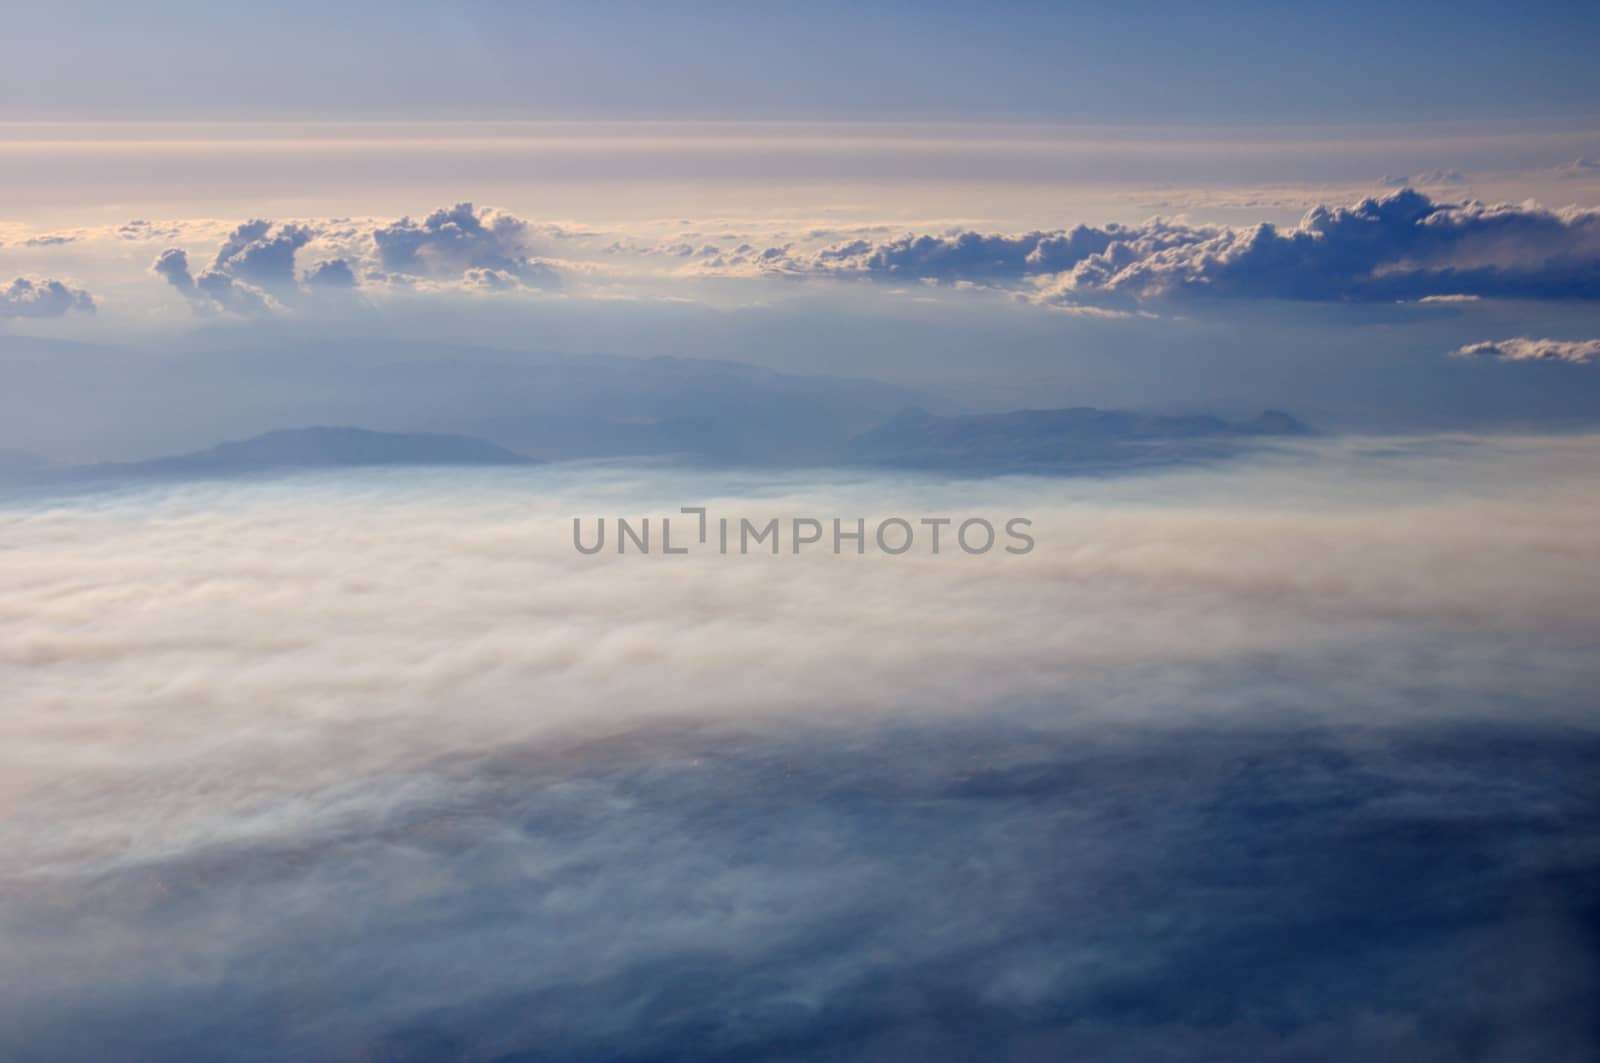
(1402, 246)
(1287, 778)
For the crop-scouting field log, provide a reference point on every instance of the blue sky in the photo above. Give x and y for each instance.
(1137, 62)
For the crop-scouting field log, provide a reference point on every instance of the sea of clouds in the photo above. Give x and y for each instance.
(1288, 758)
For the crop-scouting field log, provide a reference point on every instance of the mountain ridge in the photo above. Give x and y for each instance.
(322, 447)
(1059, 438)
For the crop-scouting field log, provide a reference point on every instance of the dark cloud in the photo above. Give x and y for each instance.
(335, 273)
(1524, 349)
(975, 256)
(42, 298)
(259, 256)
(173, 265)
(1401, 246)
(253, 271)
(916, 893)
(211, 290)
(1396, 247)
(450, 242)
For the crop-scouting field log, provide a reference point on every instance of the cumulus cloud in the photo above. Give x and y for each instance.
(463, 240)
(211, 290)
(254, 272)
(261, 255)
(27, 297)
(334, 273)
(1524, 349)
(461, 248)
(1212, 782)
(1401, 246)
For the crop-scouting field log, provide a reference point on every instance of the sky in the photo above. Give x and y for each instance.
(1235, 63)
(1042, 204)
(1278, 326)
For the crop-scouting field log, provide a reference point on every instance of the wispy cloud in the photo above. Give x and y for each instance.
(1524, 349)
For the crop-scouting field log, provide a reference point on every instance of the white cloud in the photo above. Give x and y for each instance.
(153, 664)
(1524, 349)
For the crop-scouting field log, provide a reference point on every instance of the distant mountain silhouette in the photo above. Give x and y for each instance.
(1079, 439)
(1044, 439)
(313, 448)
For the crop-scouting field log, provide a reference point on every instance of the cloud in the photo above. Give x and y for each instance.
(141, 229)
(173, 265)
(969, 256)
(334, 273)
(494, 280)
(454, 242)
(27, 297)
(533, 275)
(253, 271)
(1524, 349)
(259, 256)
(1437, 176)
(1303, 775)
(461, 249)
(211, 290)
(1584, 167)
(1401, 246)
